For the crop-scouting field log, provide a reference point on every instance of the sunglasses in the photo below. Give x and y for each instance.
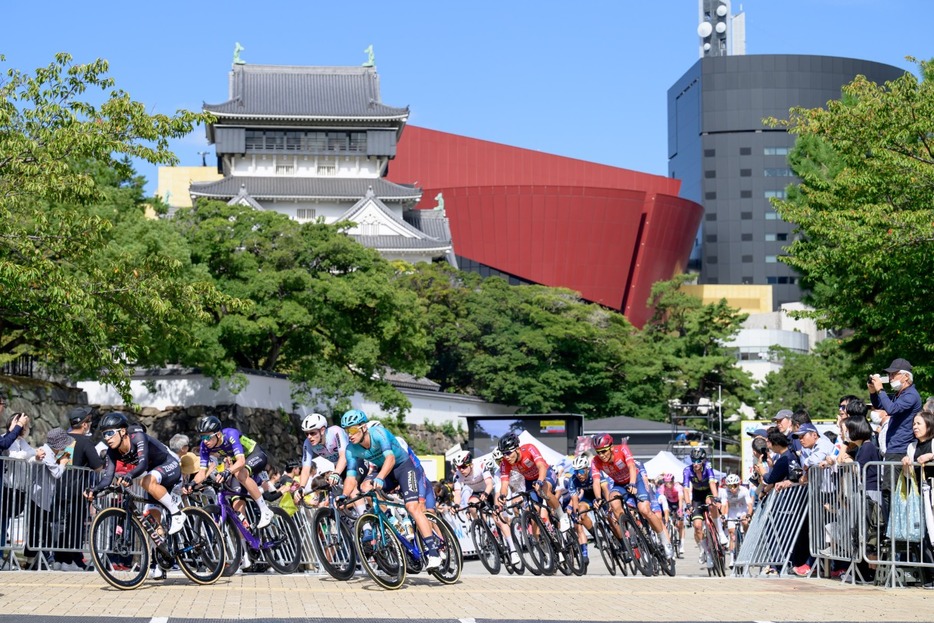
(206, 437)
(353, 430)
(309, 433)
(700, 462)
(606, 450)
(107, 434)
(733, 486)
(464, 467)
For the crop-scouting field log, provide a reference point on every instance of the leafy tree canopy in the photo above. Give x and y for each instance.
(70, 294)
(326, 311)
(813, 381)
(864, 210)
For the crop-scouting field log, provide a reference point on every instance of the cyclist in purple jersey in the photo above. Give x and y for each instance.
(248, 460)
(700, 489)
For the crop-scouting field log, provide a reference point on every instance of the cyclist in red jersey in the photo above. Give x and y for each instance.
(528, 461)
(619, 465)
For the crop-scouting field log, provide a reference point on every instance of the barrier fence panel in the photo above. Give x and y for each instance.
(14, 495)
(303, 521)
(895, 538)
(834, 516)
(773, 531)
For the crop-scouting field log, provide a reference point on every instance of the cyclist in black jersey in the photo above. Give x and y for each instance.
(146, 457)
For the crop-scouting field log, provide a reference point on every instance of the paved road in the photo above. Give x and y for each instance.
(63, 597)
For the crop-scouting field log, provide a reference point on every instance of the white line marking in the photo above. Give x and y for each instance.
(159, 620)
(467, 620)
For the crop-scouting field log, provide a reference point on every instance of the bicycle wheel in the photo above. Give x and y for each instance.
(641, 556)
(675, 538)
(539, 542)
(530, 559)
(504, 551)
(230, 535)
(199, 547)
(573, 556)
(282, 546)
(602, 541)
(713, 569)
(485, 546)
(663, 562)
(119, 548)
(452, 558)
(333, 544)
(380, 553)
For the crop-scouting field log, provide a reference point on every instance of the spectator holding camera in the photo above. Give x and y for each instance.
(14, 445)
(782, 464)
(901, 407)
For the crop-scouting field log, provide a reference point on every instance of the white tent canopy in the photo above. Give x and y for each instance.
(664, 463)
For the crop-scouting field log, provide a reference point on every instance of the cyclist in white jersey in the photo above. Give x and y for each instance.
(473, 482)
(737, 507)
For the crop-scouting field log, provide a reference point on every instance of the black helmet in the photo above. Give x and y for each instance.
(209, 424)
(113, 420)
(508, 443)
(698, 455)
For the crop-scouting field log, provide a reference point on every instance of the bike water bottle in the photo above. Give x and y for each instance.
(408, 530)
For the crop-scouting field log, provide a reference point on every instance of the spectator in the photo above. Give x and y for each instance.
(814, 446)
(921, 452)
(841, 410)
(901, 409)
(85, 454)
(180, 445)
(859, 434)
(783, 419)
(70, 499)
(781, 464)
(52, 459)
(13, 493)
(880, 422)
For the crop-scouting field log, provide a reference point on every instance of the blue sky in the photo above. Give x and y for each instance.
(581, 79)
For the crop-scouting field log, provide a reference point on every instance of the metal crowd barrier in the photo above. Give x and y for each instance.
(773, 531)
(897, 545)
(835, 515)
(41, 515)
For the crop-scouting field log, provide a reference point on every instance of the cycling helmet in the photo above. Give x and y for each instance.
(490, 465)
(462, 459)
(508, 443)
(698, 455)
(497, 454)
(209, 424)
(668, 478)
(581, 462)
(354, 417)
(314, 422)
(601, 441)
(113, 420)
(731, 480)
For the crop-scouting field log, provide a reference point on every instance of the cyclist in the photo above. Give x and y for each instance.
(624, 479)
(586, 487)
(538, 475)
(249, 460)
(737, 503)
(324, 441)
(700, 489)
(146, 457)
(474, 483)
(674, 494)
(379, 447)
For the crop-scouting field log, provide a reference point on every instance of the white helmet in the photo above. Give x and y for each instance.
(497, 455)
(581, 461)
(462, 458)
(732, 479)
(490, 465)
(314, 422)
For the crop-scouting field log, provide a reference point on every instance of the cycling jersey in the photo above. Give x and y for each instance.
(672, 492)
(737, 500)
(527, 464)
(382, 444)
(232, 445)
(701, 483)
(334, 442)
(581, 482)
(617, 467)
(474, 482)
(146, 454)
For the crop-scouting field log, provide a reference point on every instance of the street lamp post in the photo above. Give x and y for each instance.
(720, 420)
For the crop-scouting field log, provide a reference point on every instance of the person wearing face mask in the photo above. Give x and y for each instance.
(901, 407)
(880, 424)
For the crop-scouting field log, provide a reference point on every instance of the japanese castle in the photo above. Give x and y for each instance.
(315, 143)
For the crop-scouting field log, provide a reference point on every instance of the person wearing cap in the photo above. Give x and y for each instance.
(814, 446)
(85, 454)
(901, 407)
(783, 419)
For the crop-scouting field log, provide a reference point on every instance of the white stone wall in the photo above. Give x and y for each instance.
(263, 165)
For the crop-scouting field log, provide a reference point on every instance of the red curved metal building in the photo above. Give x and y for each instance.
(606, 232)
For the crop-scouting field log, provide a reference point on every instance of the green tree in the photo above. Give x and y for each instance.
(690, 360)
(67, 294)
(813, 381)
(864, 212)
(326, 311)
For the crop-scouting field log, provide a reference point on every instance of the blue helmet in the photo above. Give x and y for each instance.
(354, 417)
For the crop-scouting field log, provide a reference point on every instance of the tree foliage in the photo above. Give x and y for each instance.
(70, 294)
(326, 311)
(864, 210)
(813, 381)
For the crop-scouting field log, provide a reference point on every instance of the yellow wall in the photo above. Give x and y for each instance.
(749, 299)
(177, 180)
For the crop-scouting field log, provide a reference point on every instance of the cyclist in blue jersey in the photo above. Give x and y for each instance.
(376, 445)
(147, 457)
(586, 487)
(249, 460)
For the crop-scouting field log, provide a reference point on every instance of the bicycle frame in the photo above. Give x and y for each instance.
(228, 511)
(377, 502)
(130, 502)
